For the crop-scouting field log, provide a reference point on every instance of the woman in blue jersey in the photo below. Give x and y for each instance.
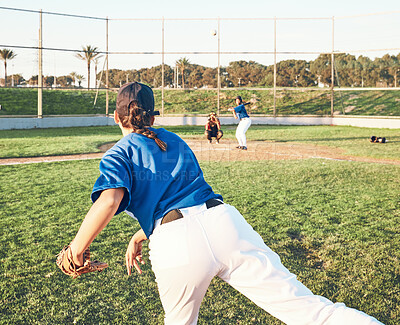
(153, 175)
(239, 112)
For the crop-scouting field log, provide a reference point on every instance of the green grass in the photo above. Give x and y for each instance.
(352, 140)
(312, 101)
(334, 224)
(55, 141)
(17, 101)
(376, 103)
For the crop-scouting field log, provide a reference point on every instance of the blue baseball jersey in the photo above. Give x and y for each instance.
(241, 111)
(155, 181)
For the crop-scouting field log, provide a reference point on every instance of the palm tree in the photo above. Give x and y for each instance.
(73, 76)
(80, 78)
(88, 55)
(6, 54)
(182, 63)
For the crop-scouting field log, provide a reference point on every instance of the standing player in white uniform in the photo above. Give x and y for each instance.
(239, 112)
(154, 176)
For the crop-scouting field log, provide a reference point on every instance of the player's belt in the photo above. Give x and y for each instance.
(176, 214)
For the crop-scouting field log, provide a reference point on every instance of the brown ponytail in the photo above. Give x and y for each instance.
(139, 120)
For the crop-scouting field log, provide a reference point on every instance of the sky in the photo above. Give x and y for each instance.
(241, 30)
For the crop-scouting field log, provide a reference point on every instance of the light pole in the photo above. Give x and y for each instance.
(162, 69)
(214, 33)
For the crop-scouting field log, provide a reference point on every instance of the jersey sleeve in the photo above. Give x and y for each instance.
(238, 109)
(114, 173)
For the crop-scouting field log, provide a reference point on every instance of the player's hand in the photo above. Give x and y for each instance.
(133, 254)
(77, 258)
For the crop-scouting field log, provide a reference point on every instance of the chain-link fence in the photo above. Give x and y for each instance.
(282, 66)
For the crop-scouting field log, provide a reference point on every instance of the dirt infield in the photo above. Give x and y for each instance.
(227, 151)
(264, 150)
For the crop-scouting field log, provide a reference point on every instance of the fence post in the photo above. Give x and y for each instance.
(107, 98)
(274, 66)
(40, 74)
(333, 66)
(219, 68)
(162, 70)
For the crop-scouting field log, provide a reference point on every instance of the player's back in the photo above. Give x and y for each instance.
(156, 181)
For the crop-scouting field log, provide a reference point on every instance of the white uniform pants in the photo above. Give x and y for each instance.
(187, 253)
(241, 129)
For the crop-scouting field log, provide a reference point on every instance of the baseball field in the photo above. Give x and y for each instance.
(324, 198)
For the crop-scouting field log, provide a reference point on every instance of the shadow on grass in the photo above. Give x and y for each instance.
(301, 251)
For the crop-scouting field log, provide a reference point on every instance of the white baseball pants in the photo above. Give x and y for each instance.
(241, 130)
(187, 253)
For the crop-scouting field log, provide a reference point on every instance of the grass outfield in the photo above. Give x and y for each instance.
(335, 224)
(60, 141)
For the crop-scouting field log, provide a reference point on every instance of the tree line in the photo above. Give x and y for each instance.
(350, 71)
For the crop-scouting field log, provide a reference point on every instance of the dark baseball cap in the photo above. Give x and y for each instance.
(238, 97)
(135, 91)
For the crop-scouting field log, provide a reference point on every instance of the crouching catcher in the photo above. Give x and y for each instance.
(213, 128)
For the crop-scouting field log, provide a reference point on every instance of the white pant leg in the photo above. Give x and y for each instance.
(187, 253)
(255, 270)
(184, 267)
(241, 130)
(238, 135)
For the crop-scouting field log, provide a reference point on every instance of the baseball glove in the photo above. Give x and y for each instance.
(378, 139)
(66, 263)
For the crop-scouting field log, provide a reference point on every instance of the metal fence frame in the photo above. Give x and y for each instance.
(332, 53)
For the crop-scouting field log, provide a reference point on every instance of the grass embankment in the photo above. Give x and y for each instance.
(375, 103)
(334, 224)
(63, 141)
(311, 101)
(18, 101)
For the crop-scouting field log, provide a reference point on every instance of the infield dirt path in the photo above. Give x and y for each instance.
(227, 151)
